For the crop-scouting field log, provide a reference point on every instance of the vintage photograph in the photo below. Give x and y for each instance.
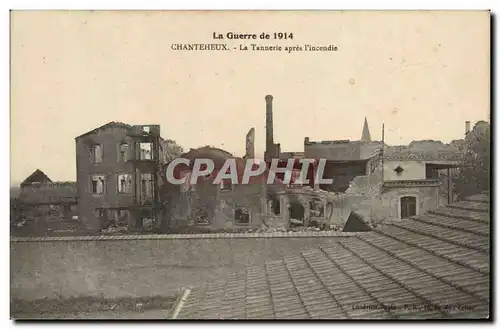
(251, 165)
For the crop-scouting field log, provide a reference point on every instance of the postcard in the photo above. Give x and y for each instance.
(278, 165)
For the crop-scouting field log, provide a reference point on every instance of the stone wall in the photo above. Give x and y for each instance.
(382, 207)
(428, 198)
(366, 197)
(142, 266)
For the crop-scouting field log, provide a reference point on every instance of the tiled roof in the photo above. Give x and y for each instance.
(430, 266)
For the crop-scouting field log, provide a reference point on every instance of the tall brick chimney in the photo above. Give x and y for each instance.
(269, 125)
(467, 127)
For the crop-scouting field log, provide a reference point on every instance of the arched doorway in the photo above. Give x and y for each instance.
(408, 206)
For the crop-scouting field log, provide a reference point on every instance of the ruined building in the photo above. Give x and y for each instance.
(121, 177)
(205, 206)
(344, 160)
(228, 206)
(378, 190)
(117, 175)
(40, 196)
(273, 150)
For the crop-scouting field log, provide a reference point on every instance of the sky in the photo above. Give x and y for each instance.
(422, 74)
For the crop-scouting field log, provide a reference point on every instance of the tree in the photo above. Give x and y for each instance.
(171, 149)
(474, 174)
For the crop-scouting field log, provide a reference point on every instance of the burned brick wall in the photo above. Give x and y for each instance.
(242, 208)
(204, 201)
(208, 208)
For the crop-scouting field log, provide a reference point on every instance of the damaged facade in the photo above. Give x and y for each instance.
(212, 207)
(117, 176)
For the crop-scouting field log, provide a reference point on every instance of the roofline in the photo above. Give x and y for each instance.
(34, 172)
(391, 158)
(111, 123)
(350, 160)
(442, 162)
(121, 124)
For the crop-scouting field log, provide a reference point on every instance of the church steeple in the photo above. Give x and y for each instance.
(365, 136)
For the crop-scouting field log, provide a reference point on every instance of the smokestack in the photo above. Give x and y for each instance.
(467, 127)
(269, 124)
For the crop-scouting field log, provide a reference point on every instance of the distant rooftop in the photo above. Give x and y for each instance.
(151, 129)
(406, 153)
(341, 150)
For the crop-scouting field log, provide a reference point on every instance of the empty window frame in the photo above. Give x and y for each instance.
(147, 187)
(242, 216)
(96, 152)
(125, 183)
(98, 184)
(275, 205)
(146, 151)
(316, 209)
(123, 152)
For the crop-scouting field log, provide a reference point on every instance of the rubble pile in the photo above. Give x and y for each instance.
(115, 229)
(266, 229)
